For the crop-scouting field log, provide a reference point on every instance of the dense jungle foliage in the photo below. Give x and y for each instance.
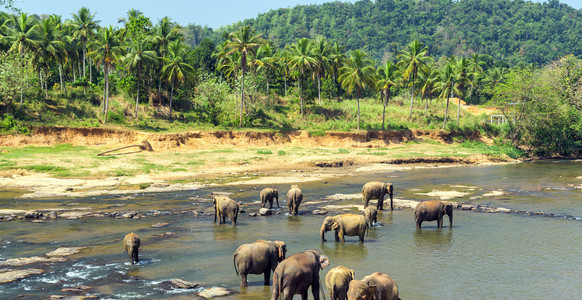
(161, 76)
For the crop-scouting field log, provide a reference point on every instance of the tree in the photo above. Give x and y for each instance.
(446, 86)
(107, 51)
(357, 75)
(427, 82)
(13, 71)
(320, 53)
(24, 34)
(49, 47)
(387, 76)
(164, 33)
(175, 69)
(84, 26)
(138, 55)
(411, 60)
(245, 42)
(462, 70)
(301, 61)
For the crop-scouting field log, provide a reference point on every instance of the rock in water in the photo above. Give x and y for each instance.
(214, 292)
(183, 284)
(10, 276)
(265, 212)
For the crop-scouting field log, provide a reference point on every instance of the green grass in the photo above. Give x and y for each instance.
(498, 149)
(264, 152)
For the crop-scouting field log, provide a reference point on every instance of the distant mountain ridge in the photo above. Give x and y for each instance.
(511, 30)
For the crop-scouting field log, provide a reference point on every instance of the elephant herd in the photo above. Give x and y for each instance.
(296, 273)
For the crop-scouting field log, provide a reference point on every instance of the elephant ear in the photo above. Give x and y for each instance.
(281, 250)
(323, 261)
(371, 290)
(334, 225)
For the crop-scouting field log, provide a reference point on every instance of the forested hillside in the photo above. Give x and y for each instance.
(512, 30)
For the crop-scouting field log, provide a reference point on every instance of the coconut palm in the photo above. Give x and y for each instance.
(301, 61)
(445, 85)
(462, 69)
(427, 82)
(24, 33)
(164, 33)
(387, 76)
(107, 50)
(357, 75)
(320, 53)
(246, 43)
(137, 55)
(265, 61)
(175, 69)
(411, 60)
(282, 57)
(84, 26)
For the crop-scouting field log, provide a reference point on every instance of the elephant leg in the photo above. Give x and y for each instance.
(380, 205)
(233, 219)
(366, 200)
(440, 222)
(418, 223)
(130, 257)
(136, 256)
(267, 276)
(314, 289)
(243, 280)
(336, 236)
(341, 236)
(304, 296)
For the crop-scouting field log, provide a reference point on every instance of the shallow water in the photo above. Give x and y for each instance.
(483, 256)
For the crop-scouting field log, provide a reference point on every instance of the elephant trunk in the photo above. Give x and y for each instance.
(323, 232)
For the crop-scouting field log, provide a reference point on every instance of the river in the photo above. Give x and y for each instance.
(484, 255)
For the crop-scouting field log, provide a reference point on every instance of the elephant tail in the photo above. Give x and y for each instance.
(234, 263)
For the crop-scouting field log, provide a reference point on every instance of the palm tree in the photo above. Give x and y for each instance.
(337, 59)
(48, 47)
(283, 65)
(427, 82)
(84, 26)
(388, 75)
(164, 33)
(301, 61)
(107, 51)
(24, 33)
(446, 86)
(246, 43)
(175, 69)
(320, 52)
(137, 55)
(411, 61)
(265, 61)
(462, 70)
(357, 75)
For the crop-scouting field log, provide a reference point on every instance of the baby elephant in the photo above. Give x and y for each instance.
(225, 207)
(359, 290)
(371, 214)
(131, 243)
(433, 210)
(267, 195)
(346, 224)
(386, 288)
(337, 282)
(260, 257)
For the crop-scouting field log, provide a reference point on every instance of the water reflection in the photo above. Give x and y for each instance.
(225, 232)
(439, 239)
(352, 250)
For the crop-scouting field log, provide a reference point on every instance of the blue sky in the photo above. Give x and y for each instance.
(214, 13)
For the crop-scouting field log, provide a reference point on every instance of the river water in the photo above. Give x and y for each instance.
(484, 255)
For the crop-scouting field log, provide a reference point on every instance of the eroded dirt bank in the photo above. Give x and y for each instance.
(46, 136)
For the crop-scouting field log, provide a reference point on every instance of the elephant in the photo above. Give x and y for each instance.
(359, 290)
(258, 257)
(267, 195)
(377, 190)
(433, 210)
(337, 282)
(371, 215)
(223, 207)
(386, 288)
(297, 273)
(131, 243)
(294, 198)
(346, 224)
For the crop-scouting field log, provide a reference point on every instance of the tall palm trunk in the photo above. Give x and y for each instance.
(301, 93)
(458, 111)
(412, 96)
(387, 92)
(285, 77)
(106, 106)
(242, 93)
(425, 107)
(171, 97)
(138, 80)
(319, 87)
(447, 110)
(61, 75)
(358, 101)
(84, 53)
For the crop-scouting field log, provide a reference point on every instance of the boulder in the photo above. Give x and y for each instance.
(265, 212)
(183, 284)
(215, 292)
(65, 251)
(319, 212)
(502, 210)
(10, 276)
(160, 225)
